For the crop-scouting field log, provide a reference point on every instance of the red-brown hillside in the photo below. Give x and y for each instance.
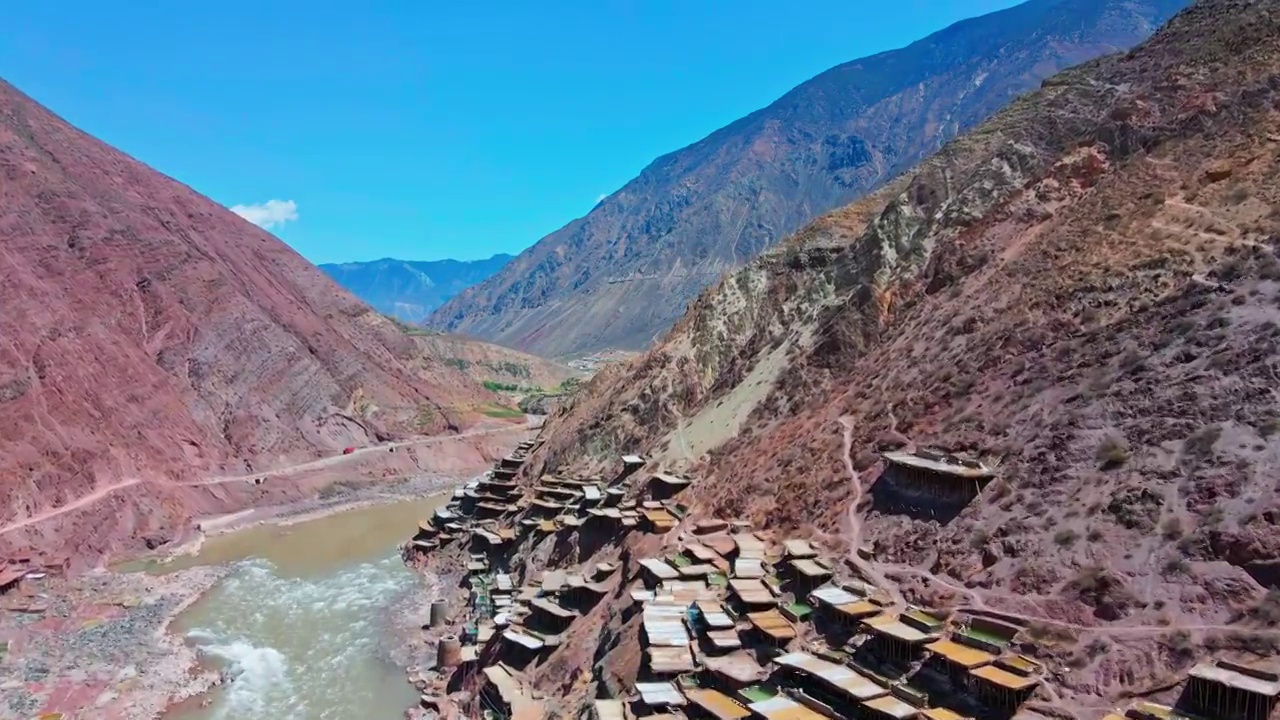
(147, 332)
(1083, 292)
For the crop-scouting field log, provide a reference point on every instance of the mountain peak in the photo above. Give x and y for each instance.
(699, 212)
(409, 290)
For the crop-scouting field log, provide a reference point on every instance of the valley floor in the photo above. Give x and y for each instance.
(99, 645)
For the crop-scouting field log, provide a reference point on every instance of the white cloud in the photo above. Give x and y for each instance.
(270, 214)
(601, 197)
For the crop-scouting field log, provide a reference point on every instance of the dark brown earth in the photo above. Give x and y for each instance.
(702, 211)
(148, 334)
(1084, 291)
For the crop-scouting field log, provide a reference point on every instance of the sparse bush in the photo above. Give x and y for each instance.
(1171, 528)
(1090, 579)
(1176, 566)
(1094, 535)
(1000, 489)
(1181, 645)
(1136, 508)
(1200, 444)
(1066, 537)
(979, 538)
(1097, 646)
(1267, 610)
(1048, 632)
(1131, 360)
(1269, 427)
(1215, 516)
(1238, 194)
(1112, 453)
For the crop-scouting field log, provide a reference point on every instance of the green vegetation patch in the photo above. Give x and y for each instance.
(498, 411)
(408, 329)
(495, 386)
(514, 369)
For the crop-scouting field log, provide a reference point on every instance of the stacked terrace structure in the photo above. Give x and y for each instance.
(731, 622)
(929, 483)
(1224, 689)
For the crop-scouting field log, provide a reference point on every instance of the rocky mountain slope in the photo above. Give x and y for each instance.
(150, 334)
(493, 364)
(1083, 291)
(699, 212)
(409, 289)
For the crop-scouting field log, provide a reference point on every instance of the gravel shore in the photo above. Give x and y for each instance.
(99, 643)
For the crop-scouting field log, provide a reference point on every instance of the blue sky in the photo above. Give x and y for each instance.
(428, 129)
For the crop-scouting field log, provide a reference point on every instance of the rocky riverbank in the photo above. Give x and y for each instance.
(98, 644)
(411, 641)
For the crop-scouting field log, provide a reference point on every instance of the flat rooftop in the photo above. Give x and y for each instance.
(840, 677)
(781, 707)
(1238, 680)
(893, 707)
(943, 464)
(962, 655)
(1004, 678)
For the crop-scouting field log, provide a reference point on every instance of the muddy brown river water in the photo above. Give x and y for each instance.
(298, 622)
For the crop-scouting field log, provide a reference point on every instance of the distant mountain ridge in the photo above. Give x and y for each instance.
(621, 275)
(409, 290)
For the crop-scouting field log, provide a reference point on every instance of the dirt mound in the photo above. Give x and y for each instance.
(149, 333)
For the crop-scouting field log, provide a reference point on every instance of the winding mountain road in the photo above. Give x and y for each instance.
(76, 504)
(106, 490)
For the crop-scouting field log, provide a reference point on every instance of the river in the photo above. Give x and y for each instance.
(299, 620)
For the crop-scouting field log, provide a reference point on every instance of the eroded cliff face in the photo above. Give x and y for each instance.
(1082, 291)
(148, 334)
(707, 209)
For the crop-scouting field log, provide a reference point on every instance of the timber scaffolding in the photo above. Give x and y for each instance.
(1216, 690)
(11, 574)
(929, 482)
(766, 643)
(732, 622)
